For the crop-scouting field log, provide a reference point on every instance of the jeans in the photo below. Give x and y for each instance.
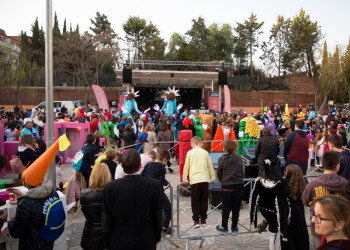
(199, 201)
(231, 201)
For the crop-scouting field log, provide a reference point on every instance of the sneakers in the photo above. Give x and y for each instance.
(196, 224)
(262, 226)
(234, 231)
(167, 230)
(222, 229)
(203, 223)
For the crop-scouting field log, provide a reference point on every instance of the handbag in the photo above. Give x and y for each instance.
(17, 165)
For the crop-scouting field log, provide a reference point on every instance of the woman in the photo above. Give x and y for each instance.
(294, 185)
(129, 136)
(105, 129)
(165, 136)
(264, 194)
(10, 132)
(152, 137)
(28, 151)
(91, 205)
(109, 161)
(331, 215)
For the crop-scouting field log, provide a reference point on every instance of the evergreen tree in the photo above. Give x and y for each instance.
(56, 33)
(64, 31)
(198, 40)
(38, 44)
(220, 41)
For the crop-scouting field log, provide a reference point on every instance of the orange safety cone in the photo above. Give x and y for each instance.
(218, 145)
(232, 137)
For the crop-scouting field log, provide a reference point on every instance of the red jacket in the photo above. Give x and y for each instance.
(109, 115)
(80, 114)
(93, 126)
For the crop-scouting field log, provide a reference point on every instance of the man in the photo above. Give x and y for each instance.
(296, 148)
(63, 109)
(330, 183)
(335, 144)
(267, 148)
(132, 208)
(28, 128)
(319, 122)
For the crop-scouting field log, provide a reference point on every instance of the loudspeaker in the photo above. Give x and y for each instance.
(222, 78)
(127, 75)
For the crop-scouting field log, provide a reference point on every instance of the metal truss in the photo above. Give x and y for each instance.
(220, 64)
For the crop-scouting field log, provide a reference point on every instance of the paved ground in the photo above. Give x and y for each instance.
(242, 241)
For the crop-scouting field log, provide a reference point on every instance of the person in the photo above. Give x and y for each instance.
(230, 173)
(199, 168)
(328, 183)
(10, 132)
(18, 131)
(91, 206)
(112, 124)
(266, 191)
(165, 137)
(3, 213)
(94, 124)
(105, 129)
(132, 208)
(129, 137)
(187, 124)
(109, 161)
(296, 148)
(331, 216)
(89, 158)
(272, 126)
(199, 128)
(28, 151)
(59, 183)
(28, 224)
(152, 137)
(267, 148)
(156, 170)
(294, 184)
(141, 139)
(149, 155)
(80, 114)
(28, 128)
(335, 144)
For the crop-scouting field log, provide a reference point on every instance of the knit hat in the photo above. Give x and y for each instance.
(36, 172)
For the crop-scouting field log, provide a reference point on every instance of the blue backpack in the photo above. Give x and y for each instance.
(78, 160)
(54, 219)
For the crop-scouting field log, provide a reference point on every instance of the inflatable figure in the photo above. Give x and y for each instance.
(130, 103)
(170, 103)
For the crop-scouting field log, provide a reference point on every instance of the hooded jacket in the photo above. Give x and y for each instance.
(80, 114)
(272, 125)
(344, 169)
(28, 155)
(326, 184)
(296, 147)
(29, 217)
(230, 171)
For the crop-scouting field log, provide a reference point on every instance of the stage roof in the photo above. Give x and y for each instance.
(163, 78)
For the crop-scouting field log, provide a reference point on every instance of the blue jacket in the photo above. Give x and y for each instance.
(89, 158)
(344, 169)
(32, 132)
(140, 140)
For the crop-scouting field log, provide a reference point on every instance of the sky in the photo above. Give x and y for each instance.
(176, 16)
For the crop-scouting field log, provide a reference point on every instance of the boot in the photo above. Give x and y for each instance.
(273, 241)
(262, 226)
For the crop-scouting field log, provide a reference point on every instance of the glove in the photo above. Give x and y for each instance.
(156, 107)
(179, 106)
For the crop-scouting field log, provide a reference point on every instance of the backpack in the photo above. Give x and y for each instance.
(54, 219)
(78, 160)
(17, 165)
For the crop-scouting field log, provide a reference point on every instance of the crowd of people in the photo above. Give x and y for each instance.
(133, 174)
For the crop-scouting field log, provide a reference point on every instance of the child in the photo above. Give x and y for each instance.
(196, 168)
(230, 173)
(59, 183)
(156, 170)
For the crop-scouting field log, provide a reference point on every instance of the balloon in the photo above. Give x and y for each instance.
(78, 127)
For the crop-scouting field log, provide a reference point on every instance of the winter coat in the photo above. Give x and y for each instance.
(111, 165)
(344, 169)
(73, 189)
(89, 157)
(29, 217)
(296, 147)
(28, 155)
(31, 131)
(230, 171)
(80, 114)
(165, 136)
(155, 170)
(152, 138)
(91, 206)
(129, 138)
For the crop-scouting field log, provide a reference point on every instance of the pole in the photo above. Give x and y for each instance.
(51, 174)
(220, 98)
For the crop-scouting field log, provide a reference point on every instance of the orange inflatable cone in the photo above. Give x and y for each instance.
(232, 137)
(36, 172)
(218, 145)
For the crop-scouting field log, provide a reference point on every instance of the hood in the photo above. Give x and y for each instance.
(332, 182)
(81, 111)
(21, 148)
(301, 133)
(40, 192)
(271, 120)
(230, 157)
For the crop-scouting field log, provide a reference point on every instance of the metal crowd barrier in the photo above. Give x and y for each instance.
(188, 238)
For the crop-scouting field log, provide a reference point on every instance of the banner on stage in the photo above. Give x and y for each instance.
(214, 100)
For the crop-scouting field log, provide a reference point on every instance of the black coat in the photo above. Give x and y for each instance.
(91, 205)
(230, 171)
(112, 167)
(28, 156)
(267, 148)
(129, 138)
(29, 217)
(132, 211)
(89, 157)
